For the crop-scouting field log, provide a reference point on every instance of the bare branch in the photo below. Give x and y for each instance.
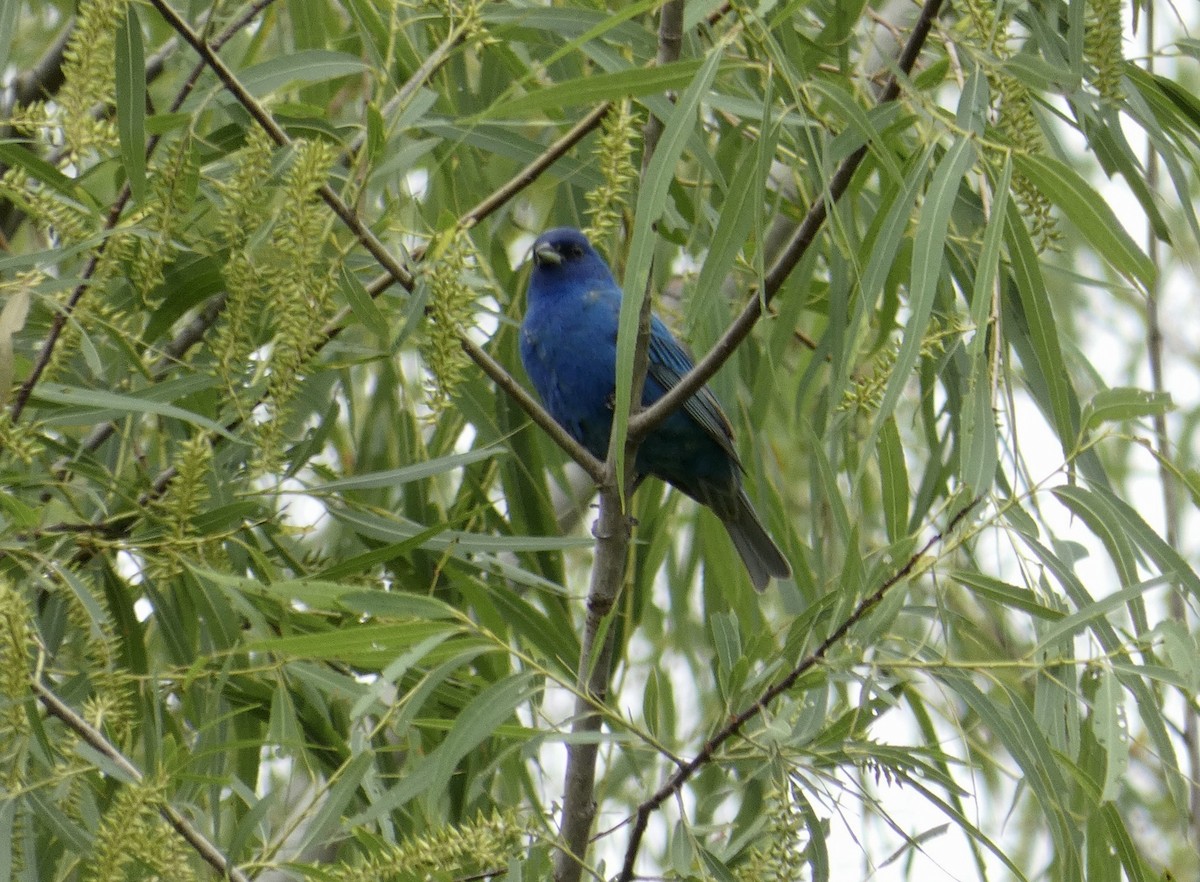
(732, 728)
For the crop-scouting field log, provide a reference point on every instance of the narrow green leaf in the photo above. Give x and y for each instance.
(1087, 616)
(405, 474)
(75, 397)
(1112, 732)
(1124, 403)
(979, 455)
(17, 155)
(1049, 368)
(927, 265)
(333, 807)
(1005, 594)
(1125, 518)
(743, 201)
(12, 320)
(131, 101)
(652, 200)
(1089, 509)
(595, 88)
(893, 473)
(306, 66)
(1090, 214)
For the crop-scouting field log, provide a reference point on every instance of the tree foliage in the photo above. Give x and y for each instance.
(293, 575)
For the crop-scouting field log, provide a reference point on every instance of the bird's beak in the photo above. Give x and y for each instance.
(546, 254)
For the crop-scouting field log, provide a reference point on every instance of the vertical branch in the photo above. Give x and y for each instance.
(608, 569)
(1162, 444)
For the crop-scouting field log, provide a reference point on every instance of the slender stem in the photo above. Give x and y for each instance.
(1162, 443)
(610, 565)
(791, 255)
(95, 739)
(735, 725)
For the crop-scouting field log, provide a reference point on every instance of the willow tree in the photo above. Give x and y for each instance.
(298, 581)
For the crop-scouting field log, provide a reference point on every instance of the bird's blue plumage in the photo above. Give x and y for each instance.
(569, 349)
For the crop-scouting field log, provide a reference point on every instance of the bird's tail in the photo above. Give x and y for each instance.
(758, 551)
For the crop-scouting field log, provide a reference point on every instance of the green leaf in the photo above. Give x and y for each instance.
(978, 450)
(79, 401)
(1049, 367)
(1123, 403)
(927, 267)
(1112, 733)
(893, 472)
(306, 66)
(131, 101)
(405, 474)
(1090, 214)
(599, 87)
(652, 200)
(1005, 594)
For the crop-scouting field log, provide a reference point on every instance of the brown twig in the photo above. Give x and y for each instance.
(732, 728)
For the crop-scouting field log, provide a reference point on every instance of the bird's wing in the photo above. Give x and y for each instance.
(668, 363)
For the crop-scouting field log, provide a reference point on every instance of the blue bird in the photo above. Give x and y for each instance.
(569, 349)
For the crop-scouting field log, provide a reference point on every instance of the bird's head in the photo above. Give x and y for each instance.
(567, 249)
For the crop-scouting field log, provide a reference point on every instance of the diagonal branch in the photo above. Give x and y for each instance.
(399, 274)
(791, 255)
(96, 740)
(731, 729)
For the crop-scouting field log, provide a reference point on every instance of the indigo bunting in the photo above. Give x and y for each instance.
(569, 349)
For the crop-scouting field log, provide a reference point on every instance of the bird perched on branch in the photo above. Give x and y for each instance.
(569, 349)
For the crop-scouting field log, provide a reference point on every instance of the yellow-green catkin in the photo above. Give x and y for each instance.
(93, 646)
(608, 202)
(1102, 47)
(172, 191)
(134, 838)
(62, 221)
(299, 285)
(183, 500)
(449, 314)
(866, 391)
(16, 660)
(88, 82)
(243, 212)
(780, 852)
(486, 843)
(1015, 119)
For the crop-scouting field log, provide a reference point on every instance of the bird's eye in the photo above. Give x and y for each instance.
(574, 251)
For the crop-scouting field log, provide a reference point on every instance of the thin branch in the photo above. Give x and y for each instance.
(1162, 444)
(791, 255)
(95, 739)
(611, 561)
(398, 273)
(533, 171)
(732, 728)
